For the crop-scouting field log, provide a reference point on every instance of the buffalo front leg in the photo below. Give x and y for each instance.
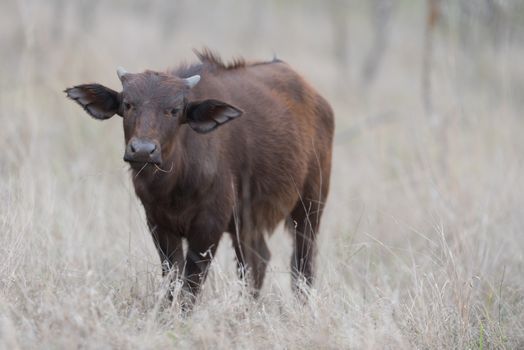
(170, 251)
(202, 244)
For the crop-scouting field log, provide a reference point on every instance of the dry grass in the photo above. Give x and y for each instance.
(422, 242)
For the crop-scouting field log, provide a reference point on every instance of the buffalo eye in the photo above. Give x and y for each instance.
(172, 112)
(127, 106)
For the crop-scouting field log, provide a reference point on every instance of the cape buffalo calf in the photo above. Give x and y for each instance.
(198, 177)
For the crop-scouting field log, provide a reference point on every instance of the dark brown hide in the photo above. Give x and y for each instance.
(270, 163)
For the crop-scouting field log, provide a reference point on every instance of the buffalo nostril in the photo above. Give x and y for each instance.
(142, 150)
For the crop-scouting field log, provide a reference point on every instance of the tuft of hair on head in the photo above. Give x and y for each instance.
(207, 56)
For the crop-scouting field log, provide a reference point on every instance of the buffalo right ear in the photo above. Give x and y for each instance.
(97, 100)
(205, 116)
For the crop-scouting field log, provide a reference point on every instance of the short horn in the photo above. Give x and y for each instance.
(192, 81)
(121, 73)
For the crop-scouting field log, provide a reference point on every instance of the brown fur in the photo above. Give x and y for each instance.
(270, 165)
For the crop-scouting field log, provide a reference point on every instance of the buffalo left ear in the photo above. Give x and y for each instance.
(205, 116)
(98, 101)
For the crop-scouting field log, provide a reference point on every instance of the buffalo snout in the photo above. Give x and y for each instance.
(143, 151)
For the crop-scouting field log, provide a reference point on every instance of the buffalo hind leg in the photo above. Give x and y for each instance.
(305, 221)
(252, 254)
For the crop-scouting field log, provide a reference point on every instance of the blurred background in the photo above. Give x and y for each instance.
(422, 241)
(436, 62)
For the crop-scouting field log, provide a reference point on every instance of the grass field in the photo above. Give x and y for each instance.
(422, 242)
